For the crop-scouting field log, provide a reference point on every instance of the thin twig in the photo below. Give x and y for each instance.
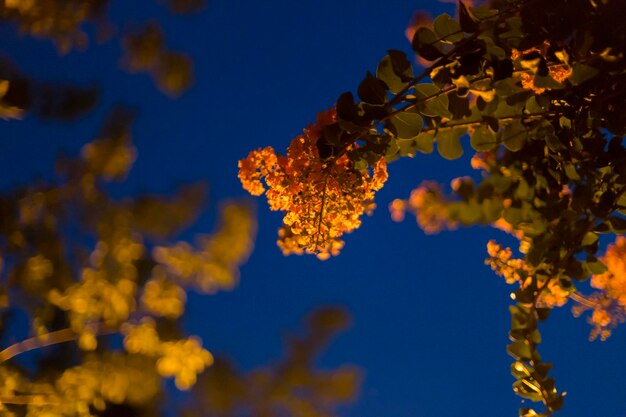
(48, 339)
(44, 340)
(320, 216)
(38, 399)
(581, 299)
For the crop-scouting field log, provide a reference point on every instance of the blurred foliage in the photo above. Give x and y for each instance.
(67, 24)
(81, 265)
(101, 284)
(291, 386)
(537, 90)
(21, 95)
(145, 51)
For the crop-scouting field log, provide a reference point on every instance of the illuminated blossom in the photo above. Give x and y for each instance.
(609, 304)
(429, 206)
(502, 263)
(558, 72)
(162, 297)
(613, 281)
(483, 161)
(515, 271)
(553, 295)
(322, 198)
(183, 360)
(397, 209)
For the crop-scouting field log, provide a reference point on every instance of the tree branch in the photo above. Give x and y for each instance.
(47, 339)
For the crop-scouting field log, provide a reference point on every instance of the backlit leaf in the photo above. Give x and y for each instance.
(447, 29)
(406, 125)
(386, 73)
(372, 90)
(449, 143)
(424, 44)
(483, 139)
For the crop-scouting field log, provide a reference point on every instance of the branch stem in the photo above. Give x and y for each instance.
(47, 339)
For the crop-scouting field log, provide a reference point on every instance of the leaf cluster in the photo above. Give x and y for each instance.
(537, 90)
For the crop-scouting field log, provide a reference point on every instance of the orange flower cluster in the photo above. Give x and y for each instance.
(502, 263)
(322, 198)
(429, 206)
(515, 270)
(559, 72)
(613, 281)
(609, 305)
(484, 161)
(553, 295)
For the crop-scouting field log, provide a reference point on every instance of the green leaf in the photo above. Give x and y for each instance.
(589, 239)
(582, 73)
(347, 109)
(500, 183)
(523, 191)
(618, 224)
(483, 139)
(532, 106)
(470, 214)
(492, 209)
(424, 44)
(372, 90)
(426, 90)
(360, 165)
(622, 200)
(441, 76)
(483, 12)
(373, 111)
(468, 22)
(543, 368)
(520, 370)
(505, 110)
(449, 143)
(492, 49)
(507, 87)
(406, 125)
(491, 122)
(331, 134)
(595, 266)
(547, 82)
(570, 172)
(529, 412)
(432, 104)
(447, 29)
(535, 337)
(422, 143)
(513, 136)
(520, 351)
(386, 73)
(519, 320)
(401, 65)
(392, 150)
(557, 403)
(574, 269)
(602, 228)
(513, 215)
(527, 388)
(458, 106)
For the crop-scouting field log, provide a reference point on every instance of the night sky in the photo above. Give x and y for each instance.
(430, 320)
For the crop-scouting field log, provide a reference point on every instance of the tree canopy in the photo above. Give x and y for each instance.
(534, 90)
(101, 282)
(537, 90)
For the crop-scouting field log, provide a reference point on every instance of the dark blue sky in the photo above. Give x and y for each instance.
(430, 319)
